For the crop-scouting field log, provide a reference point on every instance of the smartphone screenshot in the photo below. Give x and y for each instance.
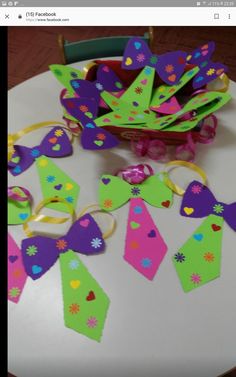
(121, 192)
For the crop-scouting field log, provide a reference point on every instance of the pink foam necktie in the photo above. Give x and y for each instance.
(16, 272)
(144, 246)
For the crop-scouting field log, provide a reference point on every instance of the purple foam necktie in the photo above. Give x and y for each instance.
(169, 66)
(85, 110)
(198, 201)
(106, 80)
(55, 144)
(209, 70)
(40, 253)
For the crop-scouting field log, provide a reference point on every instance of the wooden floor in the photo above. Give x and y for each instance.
(32, 49)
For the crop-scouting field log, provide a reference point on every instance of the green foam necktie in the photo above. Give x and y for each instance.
(198, 261)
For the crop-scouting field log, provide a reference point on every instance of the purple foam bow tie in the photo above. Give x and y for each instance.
(198, 201)
(169, 66)
(208, 70)
(85, 110)
(40, 253)
(106, 80)
(55, 144)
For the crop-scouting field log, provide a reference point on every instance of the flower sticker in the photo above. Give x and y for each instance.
(135, 191)
(140, 58)
(169, 68)
(31, 250)
(218, 208)
(14, 292)
(96, 243)
(92, 322)
(61, 244)
(146, 262)
(196, 189)
(179, 257)
(209, 257)
(210, 72)
(195, 278)
(101, 136)
(83, 108)
(153, 59)
(75, 84)
(74, 308)
(99, 86)
(50, 178)
(74, 264)
(58, 133)
(107, 203)
(138, 90)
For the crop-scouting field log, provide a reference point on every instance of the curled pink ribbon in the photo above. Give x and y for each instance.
(154, 149)
(135, 174)
(157, 149)
(16, 196)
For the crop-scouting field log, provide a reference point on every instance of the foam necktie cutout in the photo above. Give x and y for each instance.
(106, 80)
(164, 92)
(132, 107)
(170, 106)
(85, 110)
(18, 205)
(209, 70)
(169, 66)
(16, 272)
(144, 247)
(124, 114)
(56, 183)
(201, 106)
(198, 261)
(55, 144)
(65, 74)
(85, 302)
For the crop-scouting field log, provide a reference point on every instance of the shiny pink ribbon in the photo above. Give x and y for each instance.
(135, 174)
(16, 196)
(157, 149)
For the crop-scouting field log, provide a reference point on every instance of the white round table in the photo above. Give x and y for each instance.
(152, 328)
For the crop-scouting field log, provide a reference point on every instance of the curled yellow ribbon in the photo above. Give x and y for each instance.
(12, 138)
(174, 187)
(225, 80)
(48, 219)
(87, 67)
(110, 231)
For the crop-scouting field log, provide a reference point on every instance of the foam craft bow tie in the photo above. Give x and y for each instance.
(106, 80)
(92, 136)
(85, 303)
(169, 66)
(144, 245)
(55, 144)
(164, 92)
(209, 70)
(73, 81)
(198, 261)
(202, 105)
(16, 272)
